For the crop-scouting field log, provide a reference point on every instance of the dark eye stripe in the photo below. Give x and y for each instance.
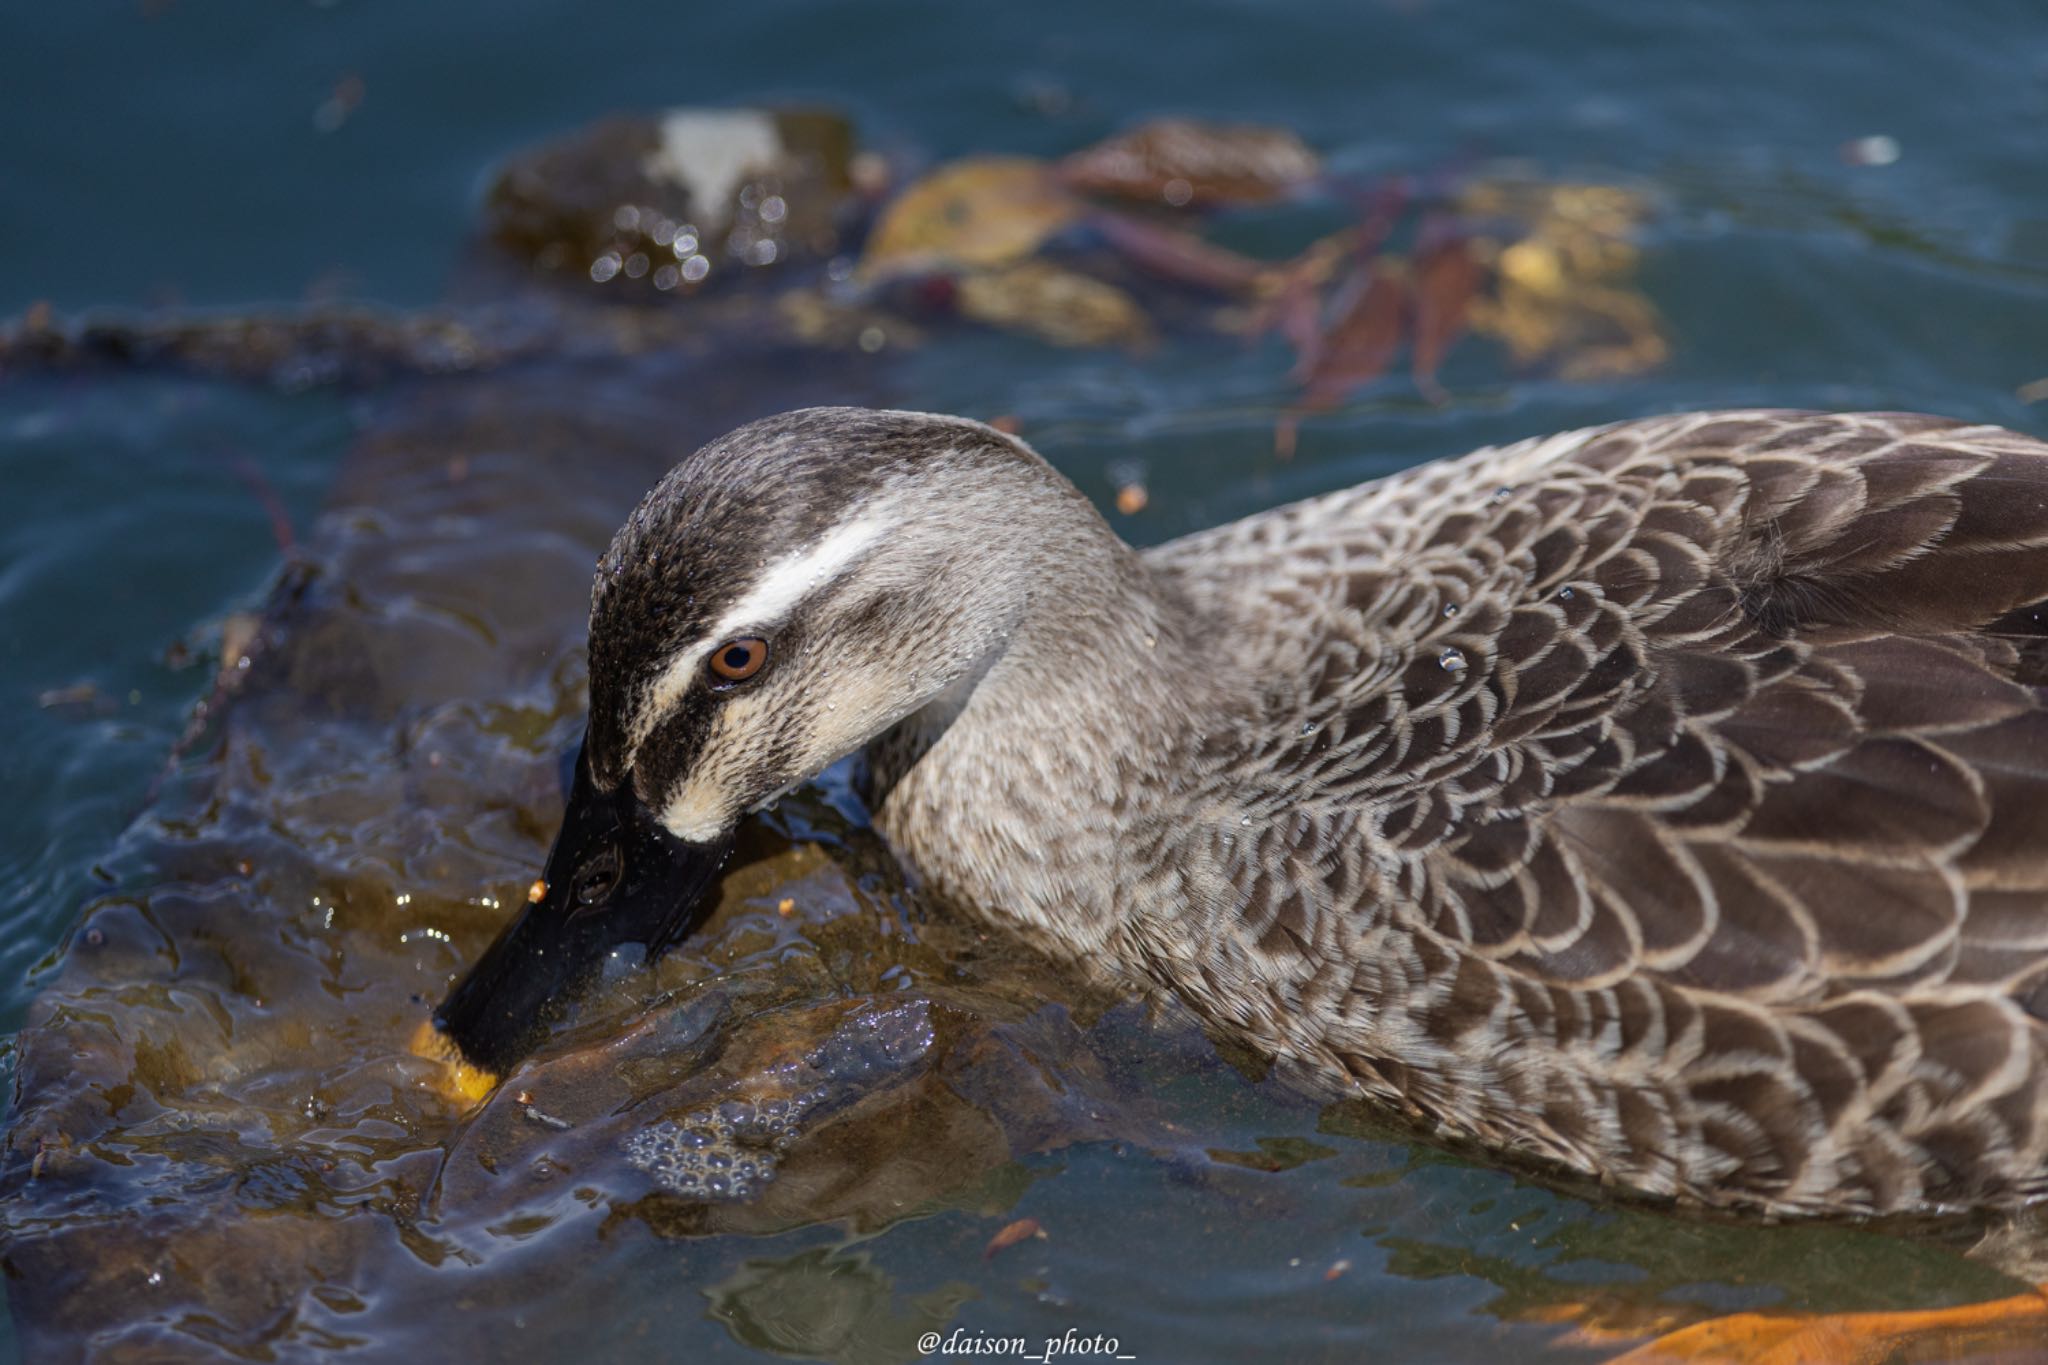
(738, 660)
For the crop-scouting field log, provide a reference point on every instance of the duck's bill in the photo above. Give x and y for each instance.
(615, 878)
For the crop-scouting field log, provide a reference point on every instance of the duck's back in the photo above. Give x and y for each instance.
(1669, 797)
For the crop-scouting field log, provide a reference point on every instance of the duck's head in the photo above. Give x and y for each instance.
(783, 596)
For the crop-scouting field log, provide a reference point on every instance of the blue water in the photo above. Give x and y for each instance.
(176, 156)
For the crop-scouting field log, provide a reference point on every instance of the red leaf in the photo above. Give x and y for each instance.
(1446, 278)
(1357, 346)
(1178, 256)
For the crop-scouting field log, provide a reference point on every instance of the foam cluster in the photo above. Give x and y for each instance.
(730, 1150)
(725, 1152)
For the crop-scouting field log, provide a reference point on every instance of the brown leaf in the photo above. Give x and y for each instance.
(1358, 344)
(1178, 256)
(1447, 276)
(1183, 162)
(1293, 302)
(1013, 1233)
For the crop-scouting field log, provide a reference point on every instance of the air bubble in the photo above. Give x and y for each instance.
(719, 1153)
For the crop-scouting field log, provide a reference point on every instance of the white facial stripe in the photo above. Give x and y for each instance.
(793, 578)
(787, 582)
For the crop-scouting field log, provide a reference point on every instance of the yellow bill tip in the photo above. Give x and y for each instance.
(455, 1078)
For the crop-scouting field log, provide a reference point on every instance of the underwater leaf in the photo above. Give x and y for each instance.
(1054, 304)
(1563, 258)
(1275, 1154)
(1012, 1233)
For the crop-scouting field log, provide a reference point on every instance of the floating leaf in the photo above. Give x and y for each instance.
(1179, 256)
(984, 211)
(1182, 162)
(1293, 303)
(1361, 340)
(1447, 276)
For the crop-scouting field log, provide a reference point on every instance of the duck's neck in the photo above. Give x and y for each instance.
(1015, 790)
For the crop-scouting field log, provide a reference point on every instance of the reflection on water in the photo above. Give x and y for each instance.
(830, 1304)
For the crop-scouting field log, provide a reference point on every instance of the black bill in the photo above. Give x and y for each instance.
(615, 877)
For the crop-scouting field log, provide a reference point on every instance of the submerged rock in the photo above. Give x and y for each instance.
(680, 201)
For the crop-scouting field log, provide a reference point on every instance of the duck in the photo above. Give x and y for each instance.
(1663, 801)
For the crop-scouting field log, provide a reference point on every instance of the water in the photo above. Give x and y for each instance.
(224, 157)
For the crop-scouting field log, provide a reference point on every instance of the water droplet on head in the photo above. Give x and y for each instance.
(1502, 494)
(1452, 660)
(1564, 594)
(1308, 727)
(1450, 610)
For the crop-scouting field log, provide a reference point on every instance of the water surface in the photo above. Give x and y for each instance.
(401, 740)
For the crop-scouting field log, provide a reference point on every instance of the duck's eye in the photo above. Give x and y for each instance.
(739, 660)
